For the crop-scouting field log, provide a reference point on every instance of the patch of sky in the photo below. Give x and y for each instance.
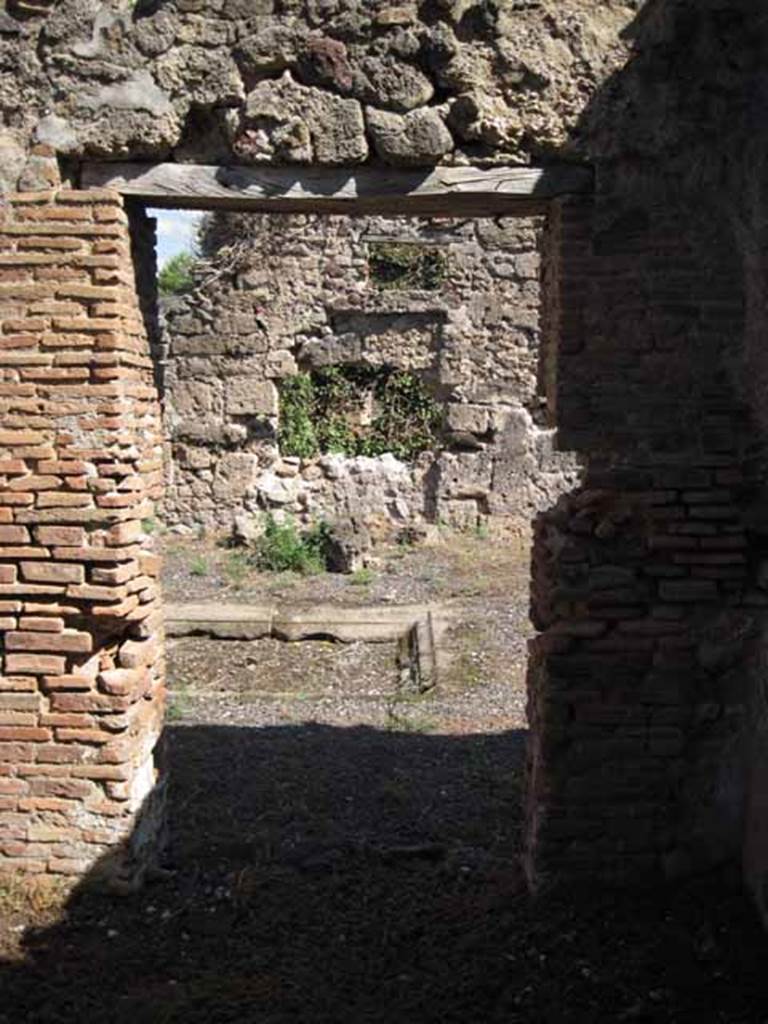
(176, 232)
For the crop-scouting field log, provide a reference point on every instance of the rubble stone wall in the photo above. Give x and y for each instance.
(296, 293)
(316, 82)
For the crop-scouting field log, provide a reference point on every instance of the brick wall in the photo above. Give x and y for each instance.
(646, 589)
(81, 694)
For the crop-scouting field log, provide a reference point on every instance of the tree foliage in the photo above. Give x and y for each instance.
(175, 278)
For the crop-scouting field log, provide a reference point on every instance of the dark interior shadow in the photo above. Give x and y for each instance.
(319, 874)
(323, 875)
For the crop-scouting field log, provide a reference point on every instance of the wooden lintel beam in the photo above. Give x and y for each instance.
(448, 191)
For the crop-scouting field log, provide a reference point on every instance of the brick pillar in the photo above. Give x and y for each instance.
(642, 589)
(81, 695)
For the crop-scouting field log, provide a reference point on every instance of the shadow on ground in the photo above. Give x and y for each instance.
(326, 875)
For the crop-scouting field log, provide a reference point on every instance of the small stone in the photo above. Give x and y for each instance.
(347, 545)
(280, 364)
(332, 466)
(8, 25)
(40, 172)
(12, 160)
(391, 83)
(57, 132)
(395, 16)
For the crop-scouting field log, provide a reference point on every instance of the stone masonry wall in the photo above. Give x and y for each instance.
(647, 685)
(80, 458)
(318, 82)
(300, 296)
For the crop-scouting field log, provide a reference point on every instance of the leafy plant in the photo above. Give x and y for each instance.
(198, 566)
(408, 420)
(318, 540)
(403, 265)
(281, 548)
(321, 413)
(297, 434)
(175, 278)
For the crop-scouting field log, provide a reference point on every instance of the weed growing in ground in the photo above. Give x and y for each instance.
(411, 723)
(235, 568)
(20, 893)
(361, 577)
(198, 566)
(405, 713)
(282, 581)
(178, 703)
(282, 548)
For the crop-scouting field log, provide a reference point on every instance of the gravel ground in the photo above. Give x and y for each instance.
(461, 566)
(340, 854)
(267, 682)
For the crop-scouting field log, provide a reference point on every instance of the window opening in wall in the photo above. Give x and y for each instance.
(401, 266)
(355, 448)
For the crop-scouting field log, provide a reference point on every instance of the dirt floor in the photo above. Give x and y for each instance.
(268, 682)
(342, 852)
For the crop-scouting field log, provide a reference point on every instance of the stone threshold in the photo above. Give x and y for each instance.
(417, 629)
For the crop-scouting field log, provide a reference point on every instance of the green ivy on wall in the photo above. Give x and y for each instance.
(322, 412)
(297, 435)
(399, 265)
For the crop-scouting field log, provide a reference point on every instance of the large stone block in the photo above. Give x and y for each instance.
(192, 397)
(288, 122)
(471, 418)
(416, 139)
(235, 475)
(248, 397)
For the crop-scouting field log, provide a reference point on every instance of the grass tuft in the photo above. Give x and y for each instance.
(361, 577)
(235, 569)
(179, 702)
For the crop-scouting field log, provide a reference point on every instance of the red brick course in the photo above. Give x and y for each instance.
(80, 453)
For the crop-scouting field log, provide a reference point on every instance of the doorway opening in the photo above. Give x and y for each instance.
(376, 381)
